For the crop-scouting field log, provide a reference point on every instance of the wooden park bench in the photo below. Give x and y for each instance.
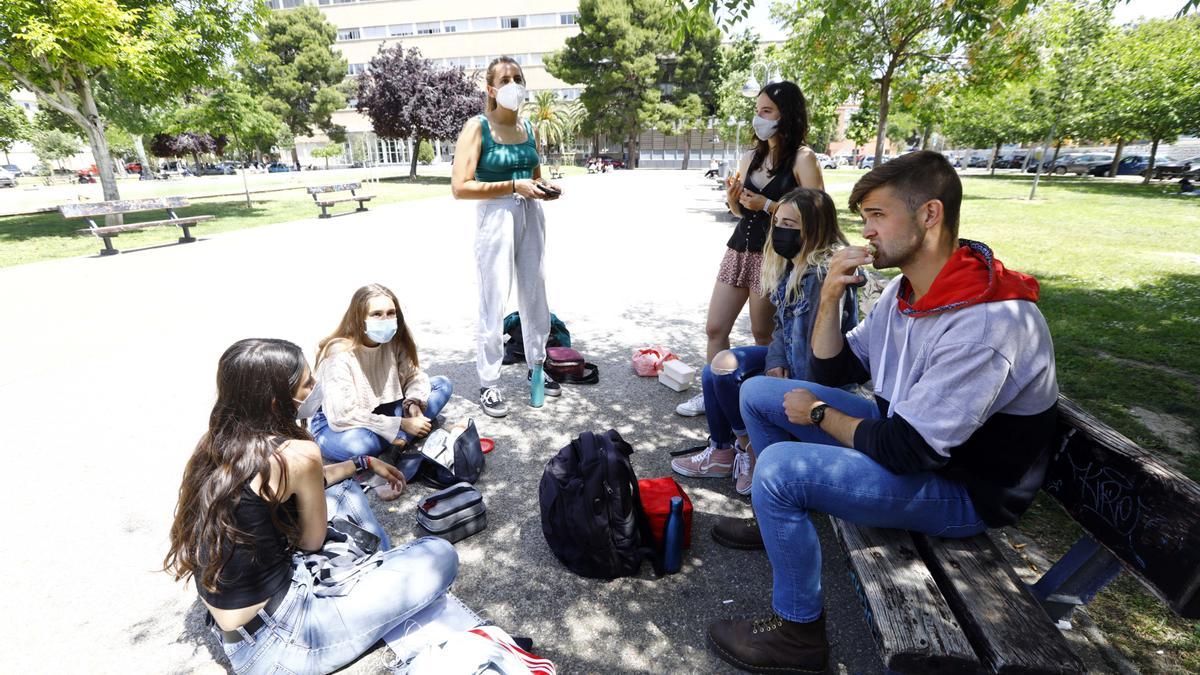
(92, 210)
(955, 605)
(342, 187)
(556, 172)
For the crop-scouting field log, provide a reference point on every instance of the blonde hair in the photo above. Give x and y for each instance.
(352, 327)
(820, 236)
(491, 72)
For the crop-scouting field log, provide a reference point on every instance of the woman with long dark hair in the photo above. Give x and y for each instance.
(779, 162)
(371, 390)
(800, 242)
(496, 162)
(254, 495)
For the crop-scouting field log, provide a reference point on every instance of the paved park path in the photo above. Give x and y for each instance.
(109, 378)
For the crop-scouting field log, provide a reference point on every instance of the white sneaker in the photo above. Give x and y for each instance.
(692, 407)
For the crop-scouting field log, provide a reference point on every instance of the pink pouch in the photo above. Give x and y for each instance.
(648, 362)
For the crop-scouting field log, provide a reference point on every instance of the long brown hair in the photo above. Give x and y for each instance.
(819, 232)
(255, 410)
(491, 73)
(354, 325)
(792, 128)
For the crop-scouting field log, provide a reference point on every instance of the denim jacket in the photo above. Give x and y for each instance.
(794, 323)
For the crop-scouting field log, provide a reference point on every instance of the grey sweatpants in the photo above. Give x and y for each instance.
(511, 237)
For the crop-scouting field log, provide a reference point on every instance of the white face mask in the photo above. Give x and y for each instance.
(310, 405)
(764, 128)
(510, 96)
(381, 330)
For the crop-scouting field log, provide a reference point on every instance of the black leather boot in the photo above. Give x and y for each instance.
(772, 645)
(742, 533)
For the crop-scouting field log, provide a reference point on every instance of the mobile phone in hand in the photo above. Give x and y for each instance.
(549, 189)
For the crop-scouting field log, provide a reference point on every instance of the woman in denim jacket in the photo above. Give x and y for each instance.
(803, 236)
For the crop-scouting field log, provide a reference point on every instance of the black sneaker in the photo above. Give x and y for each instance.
(552, 388)
(492, 402)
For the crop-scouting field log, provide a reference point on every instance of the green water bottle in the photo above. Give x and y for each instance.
(537, 386)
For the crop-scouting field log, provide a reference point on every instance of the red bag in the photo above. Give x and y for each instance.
(656, 502)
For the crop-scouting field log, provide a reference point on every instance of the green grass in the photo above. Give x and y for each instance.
(1119, 266)
(47, 236)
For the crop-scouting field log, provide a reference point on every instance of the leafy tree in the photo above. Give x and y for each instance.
(425, 152)
(53, 145)
(405, 96)
(58, 50)
(14, 125)
(547, 116)
(865, 46)
(693, 73)
(860, 128)
(293, 65)
(329, 151)
(979, 118)
(615, 55)
(1151, 84)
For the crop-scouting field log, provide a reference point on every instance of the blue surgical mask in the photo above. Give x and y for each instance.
(381, 330)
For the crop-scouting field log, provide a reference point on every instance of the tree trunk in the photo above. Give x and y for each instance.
(1112, 168)
(94, 127)
(416, 150)
(926, 133)
(885, 85)
(196, 161)
(1150, 167)
(992, 161)
(687, 148)
(1057, 147)
(1029, 156)
(139, 148)
(631, 151)
(295, 155)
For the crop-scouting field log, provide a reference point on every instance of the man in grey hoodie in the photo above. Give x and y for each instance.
(957, 438)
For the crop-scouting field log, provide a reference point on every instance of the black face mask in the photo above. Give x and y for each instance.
(786, 241)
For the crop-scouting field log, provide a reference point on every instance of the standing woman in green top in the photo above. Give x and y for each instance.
(496, 161)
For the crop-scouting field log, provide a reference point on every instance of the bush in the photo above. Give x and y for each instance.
(425, 153)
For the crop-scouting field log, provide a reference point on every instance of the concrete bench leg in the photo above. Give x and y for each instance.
(324, 212)
(108, 247)
(361, 207)
(187, 237)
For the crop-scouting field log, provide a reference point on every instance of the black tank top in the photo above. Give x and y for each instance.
(751, 231)
(255, 572)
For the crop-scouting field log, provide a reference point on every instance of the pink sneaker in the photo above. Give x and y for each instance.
(708, 463)
(743, 471)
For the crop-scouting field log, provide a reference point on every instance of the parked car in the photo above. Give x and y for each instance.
(174, 168)
(826, 161)
(868, 162)
(1165, 167)
(14, 170)
(1130, 165)
(222, 169)
(7, 179)
(1058, 166)
(978, 161)
(278, 167)
(1085, 162)
(1013, 161)
(133, 167)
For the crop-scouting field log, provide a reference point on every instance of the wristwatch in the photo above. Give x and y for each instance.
(817, 414)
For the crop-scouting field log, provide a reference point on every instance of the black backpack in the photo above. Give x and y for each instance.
(591, 510)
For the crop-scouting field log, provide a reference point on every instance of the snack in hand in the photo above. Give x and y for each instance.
(871, 249)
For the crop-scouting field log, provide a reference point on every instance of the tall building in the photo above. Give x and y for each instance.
(467, 33)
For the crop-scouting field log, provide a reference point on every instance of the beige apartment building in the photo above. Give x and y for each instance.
(467, 33)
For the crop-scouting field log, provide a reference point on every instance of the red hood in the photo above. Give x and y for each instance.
(972, 276)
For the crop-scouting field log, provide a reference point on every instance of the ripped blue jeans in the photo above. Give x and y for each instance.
(816, 473)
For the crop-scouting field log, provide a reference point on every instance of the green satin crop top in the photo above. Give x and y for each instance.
(505, 161)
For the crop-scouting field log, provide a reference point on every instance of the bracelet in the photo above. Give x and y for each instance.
(767, 205)
(514, 185)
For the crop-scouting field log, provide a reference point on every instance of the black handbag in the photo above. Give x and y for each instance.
(453, 514)
(467, 466)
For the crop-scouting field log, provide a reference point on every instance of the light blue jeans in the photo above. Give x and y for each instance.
(311, 634)
(339, 446)
(818, 474)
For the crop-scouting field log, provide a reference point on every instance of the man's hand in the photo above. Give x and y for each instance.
(842, 272)
(798, 403)
(779, 372)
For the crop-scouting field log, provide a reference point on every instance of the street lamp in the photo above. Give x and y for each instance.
(737, 137)
(769, 75)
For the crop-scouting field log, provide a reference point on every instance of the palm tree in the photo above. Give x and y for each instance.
(546, 115)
